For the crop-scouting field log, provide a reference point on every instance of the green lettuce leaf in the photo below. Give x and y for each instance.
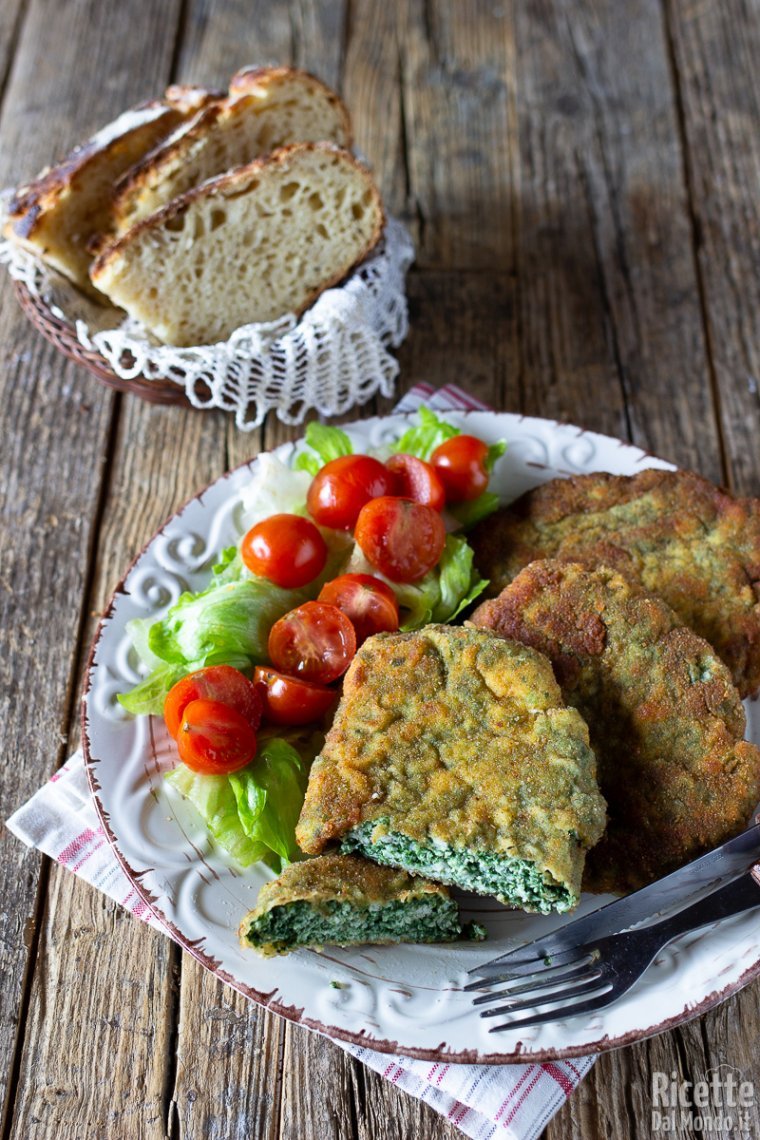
(252, 813)
(269, 794)
(495, 451)
(229, 568)
(148, 696)
(443, 593)
(214, 799)
(467, 514)
(422, 439)
(225, 624)
(322, 444)
(458, 581)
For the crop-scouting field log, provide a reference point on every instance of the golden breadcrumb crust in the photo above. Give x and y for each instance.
(674, 532)
(457, 737)
(665, 720)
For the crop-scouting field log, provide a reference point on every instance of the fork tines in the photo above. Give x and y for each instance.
(498, 971)
(572, 977)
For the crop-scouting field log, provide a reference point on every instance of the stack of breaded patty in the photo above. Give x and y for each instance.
(662, 700)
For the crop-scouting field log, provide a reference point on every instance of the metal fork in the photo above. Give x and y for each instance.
(601, 970)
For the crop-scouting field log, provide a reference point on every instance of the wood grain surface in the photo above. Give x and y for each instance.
(582, 180)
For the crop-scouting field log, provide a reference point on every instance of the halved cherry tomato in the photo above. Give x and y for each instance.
(415, 479)
(314, 641)
(215, 683)
(286, 549)
(370, 603)
(339, 491)
(461, 464)
(402, 539)
(289, 701)
(214, 738)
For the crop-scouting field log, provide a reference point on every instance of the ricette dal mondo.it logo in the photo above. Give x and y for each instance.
(721, 1102)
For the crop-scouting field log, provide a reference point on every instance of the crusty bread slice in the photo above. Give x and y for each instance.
(267, 108)
(251, 245)
(59, 214)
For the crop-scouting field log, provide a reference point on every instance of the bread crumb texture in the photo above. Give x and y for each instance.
(249, 246)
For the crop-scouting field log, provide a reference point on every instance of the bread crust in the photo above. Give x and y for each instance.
(32, 218)
(48, 186)
(170, 154)
(253, 78)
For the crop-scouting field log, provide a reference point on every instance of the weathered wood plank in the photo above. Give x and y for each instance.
(53, 101)
(617, 1098)
(373, 93)
(229, 1059)
(159, 457)
(218, 39)
(456, 65)
(406, 1116)
(462, 331)
(609, 303)
(715, 50)
(55, 426)
(99, 1028)
(609, 310)
(11, 22)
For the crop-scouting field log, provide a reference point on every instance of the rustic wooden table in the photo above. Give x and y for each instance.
(582, 181)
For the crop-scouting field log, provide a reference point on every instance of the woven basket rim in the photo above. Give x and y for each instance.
(60, 334)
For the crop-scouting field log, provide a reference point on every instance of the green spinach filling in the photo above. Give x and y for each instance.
(515, 882)
(433, 919)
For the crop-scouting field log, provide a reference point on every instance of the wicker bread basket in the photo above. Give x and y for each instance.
(332, 358)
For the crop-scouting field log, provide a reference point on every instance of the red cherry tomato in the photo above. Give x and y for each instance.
(214, 738)
(215, 683)
(461, 464)
(286, 549)
(402, 539)
(415, 479)
(369, 603)
(314, 641)
(339, 491)
(289, 701)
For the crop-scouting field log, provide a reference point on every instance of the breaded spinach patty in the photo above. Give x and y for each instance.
(343, 900)
(671, 531)
(666, 722)
(453, 756)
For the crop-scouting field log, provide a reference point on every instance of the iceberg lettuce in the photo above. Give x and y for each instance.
(442, 594)
(322, 443)
(251, 813)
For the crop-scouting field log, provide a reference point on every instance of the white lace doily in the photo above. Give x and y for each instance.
(334, 357)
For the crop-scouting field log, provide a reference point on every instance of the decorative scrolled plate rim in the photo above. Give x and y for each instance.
(405, 999)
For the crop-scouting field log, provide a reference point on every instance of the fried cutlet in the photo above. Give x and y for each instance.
(672, 531)
(344, 900)
(665, 721)
(453, 756)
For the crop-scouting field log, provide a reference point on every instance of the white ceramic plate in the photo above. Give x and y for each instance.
(405, 999)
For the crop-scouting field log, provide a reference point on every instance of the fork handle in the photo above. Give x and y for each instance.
(732, 898)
